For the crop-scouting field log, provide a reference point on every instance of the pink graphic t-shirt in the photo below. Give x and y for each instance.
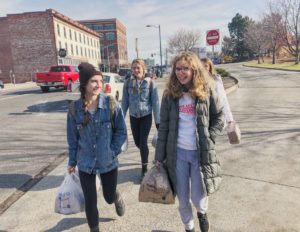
(187, 123)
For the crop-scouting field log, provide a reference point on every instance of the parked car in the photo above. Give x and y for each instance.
(125, 72)
(1, 85)
(113, 85)
(58, 76)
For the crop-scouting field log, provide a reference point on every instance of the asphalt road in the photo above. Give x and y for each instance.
(32, 135)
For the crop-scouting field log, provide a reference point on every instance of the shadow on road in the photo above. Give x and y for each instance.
(46, 107)
(13, 180)
(68, 223)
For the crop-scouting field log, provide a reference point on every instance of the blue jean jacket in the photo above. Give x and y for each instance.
(141, 99)
(95, 147)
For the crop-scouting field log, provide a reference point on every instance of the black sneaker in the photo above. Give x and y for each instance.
(119, 204)
(95, 229)
(203, 222)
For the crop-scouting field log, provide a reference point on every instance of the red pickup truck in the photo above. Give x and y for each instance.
(58, 76)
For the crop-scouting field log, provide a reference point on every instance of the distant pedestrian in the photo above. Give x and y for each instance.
(208, 65)
(191, 117)
(141, 97)
(95, 134)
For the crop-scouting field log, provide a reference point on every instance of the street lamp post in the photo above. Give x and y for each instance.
(160, 51)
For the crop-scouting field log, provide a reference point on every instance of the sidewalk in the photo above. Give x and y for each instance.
(26, 85)
(34, 211)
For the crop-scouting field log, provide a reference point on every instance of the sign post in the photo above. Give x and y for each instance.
(212, 38)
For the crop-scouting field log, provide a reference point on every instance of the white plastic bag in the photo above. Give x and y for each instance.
(70, 199)
(124, 146)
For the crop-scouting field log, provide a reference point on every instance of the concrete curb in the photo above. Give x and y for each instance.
(280, 69)
(233, 87)
(26, 85)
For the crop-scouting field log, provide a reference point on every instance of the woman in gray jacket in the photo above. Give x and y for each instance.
(191, 116)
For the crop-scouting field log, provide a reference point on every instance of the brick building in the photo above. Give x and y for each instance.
(29, 42)
(113, 40)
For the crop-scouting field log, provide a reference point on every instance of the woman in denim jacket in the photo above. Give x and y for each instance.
(95, 138)
(141, 97)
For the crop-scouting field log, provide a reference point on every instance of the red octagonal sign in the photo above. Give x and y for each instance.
(212, 37)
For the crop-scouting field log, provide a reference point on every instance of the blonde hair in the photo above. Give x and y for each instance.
(201, 82)
(140, 62)
(211, 69)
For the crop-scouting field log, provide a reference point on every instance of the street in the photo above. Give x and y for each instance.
(32, 135)
(261, 176)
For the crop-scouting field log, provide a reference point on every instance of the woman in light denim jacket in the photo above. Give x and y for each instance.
(95, 135)
(141, 97)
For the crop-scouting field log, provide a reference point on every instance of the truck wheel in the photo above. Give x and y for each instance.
(69, 85)
(45, 89)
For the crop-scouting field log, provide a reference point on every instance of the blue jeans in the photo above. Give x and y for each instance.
(190, 186)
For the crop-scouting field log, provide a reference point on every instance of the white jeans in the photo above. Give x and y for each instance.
(190, 186)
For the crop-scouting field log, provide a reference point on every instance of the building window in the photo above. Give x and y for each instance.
(76, 50)
(70, 33)
(109, 27)
(98, 27)
(101, 37)
(66, 46)
(65, 33)
(72, 52)
(79, 37)
(87, 39)
(59, 44)
(84, 39)
(75, 36)
(81, 51)
(58, 29)
(110, 36)
(85, 52)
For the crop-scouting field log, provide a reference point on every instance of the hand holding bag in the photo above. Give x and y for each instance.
(70, 199)
(234, 133)
(156, 187)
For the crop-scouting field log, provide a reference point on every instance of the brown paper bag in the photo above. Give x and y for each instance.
(234, 133)
(156, 187)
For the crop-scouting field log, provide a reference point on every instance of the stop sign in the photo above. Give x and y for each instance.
(212, 37)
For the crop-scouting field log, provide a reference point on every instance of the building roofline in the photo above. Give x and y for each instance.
(71, 21)
(62, 17)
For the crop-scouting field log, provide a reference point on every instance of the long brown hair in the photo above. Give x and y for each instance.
(200, 82)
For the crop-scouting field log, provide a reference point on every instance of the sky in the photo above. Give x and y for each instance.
(171, 15)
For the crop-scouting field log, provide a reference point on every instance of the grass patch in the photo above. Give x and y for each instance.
(285, 65)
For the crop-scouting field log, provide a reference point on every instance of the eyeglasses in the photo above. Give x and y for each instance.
(184, 69)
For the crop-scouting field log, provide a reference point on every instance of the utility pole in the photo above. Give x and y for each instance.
(136, 48)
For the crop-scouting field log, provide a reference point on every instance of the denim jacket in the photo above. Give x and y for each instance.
(141, 99)
(95, 147)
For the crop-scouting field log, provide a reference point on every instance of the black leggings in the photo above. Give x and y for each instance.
(140, 128)
(88, 184)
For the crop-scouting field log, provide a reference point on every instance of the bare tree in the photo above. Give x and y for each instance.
(274, 27)
(256, 38)
(290, 11)
(228, 46)
(183, 40)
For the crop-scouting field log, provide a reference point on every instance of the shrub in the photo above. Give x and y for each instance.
(222, 72)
